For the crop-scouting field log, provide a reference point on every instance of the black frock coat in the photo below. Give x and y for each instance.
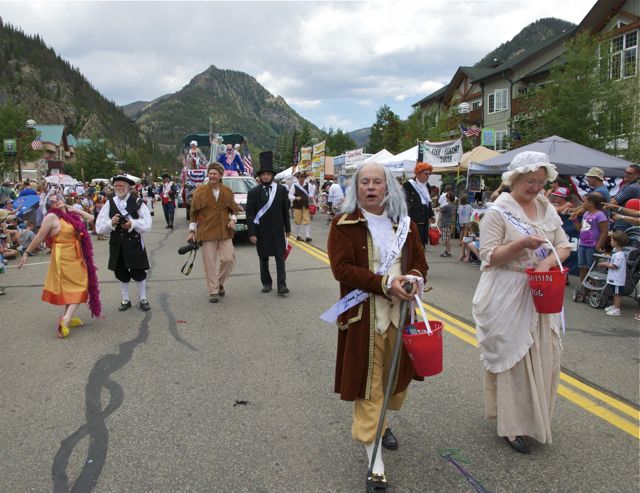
(273, 225)
(418, 212)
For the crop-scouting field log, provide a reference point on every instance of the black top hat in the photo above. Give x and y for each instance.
(266, 162)
(123, 178)
(166, 175)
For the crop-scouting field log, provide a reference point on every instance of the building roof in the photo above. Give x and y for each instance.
(599, 14)
(527, 54)
(51, 133)
(559, 60)
(71, 140)
(433, 95)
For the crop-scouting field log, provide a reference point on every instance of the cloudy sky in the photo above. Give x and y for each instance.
(336, 63)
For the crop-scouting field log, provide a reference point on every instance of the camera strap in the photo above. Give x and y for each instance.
(191, 258)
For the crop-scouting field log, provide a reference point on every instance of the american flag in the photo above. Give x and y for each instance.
(36, 145)
(470, 132)
(247, 161)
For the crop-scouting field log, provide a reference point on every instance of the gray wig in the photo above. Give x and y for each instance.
(395, 205)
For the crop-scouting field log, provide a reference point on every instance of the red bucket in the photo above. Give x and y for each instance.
(434, 236)
(547, 289)
(425, 350)
(313, 209)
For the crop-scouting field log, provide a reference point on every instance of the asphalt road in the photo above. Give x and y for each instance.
(195, 397)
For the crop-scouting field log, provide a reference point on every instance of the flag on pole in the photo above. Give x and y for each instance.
(247, 161)
(470, 132)
(36, 145)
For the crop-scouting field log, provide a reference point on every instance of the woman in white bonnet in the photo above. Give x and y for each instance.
(520, 349)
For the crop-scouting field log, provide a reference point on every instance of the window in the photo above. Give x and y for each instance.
(501, 140)
(523, 90)
(499, 100)
(624, 55)
(476, 104)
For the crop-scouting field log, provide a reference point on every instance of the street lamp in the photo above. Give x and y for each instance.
(30, 125)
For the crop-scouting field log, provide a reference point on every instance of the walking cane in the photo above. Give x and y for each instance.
(392, 375)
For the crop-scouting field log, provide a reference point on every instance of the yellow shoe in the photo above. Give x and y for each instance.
(63, 329)
(75, 322)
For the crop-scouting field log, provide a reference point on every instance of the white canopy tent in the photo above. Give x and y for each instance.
(283, 174)
(376, 158)
(405, 161)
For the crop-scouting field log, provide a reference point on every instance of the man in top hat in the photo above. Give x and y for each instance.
(168, 195)
(126, 218)
(300, 196)
(268, 223)
(213, 223)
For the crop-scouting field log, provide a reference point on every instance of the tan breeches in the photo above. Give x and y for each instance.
(366, 413)
(301, 216)
(212, 252)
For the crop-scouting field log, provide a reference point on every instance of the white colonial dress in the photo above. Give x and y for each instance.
(520, 349)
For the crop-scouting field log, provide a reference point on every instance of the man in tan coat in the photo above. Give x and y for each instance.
(213, 225)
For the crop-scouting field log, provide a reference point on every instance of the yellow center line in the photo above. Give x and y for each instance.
(461, 330)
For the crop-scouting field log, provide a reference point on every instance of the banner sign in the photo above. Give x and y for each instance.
(10, 147)
(354, 156)
(319, 147)
(488, 137)
(305, 158)
(446, 153)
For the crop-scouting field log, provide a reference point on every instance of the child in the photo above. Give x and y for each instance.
(593, 234)
(617, 271)
(464, 217)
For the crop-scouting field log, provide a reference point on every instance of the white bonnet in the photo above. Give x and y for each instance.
(527, 162)
(193, 143)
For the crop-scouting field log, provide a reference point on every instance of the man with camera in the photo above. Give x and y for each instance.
(126, 218)
(213, 224)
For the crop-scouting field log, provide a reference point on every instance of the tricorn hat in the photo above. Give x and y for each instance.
(166, 175)
(266, 162)
(123, 178)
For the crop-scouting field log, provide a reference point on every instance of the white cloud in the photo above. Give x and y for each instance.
(334, 61)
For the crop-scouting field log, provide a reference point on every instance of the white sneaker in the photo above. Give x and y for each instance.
(614, 312)
(609, 308)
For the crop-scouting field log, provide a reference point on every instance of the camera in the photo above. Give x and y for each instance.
(191, 246)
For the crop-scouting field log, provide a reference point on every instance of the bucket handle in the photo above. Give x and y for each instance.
(555, 253)
(553, 249)
(417, 301)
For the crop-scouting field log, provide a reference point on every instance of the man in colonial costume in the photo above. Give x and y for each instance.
(300, 195)
(126, 218)
(213, 223)
(168, 194)
(268, 223)
(374, 250)
(418, 193)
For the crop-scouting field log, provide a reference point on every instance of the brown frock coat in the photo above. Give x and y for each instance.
(211, 215)
(350, 255)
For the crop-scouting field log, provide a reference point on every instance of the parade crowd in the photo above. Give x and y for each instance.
(378, 231)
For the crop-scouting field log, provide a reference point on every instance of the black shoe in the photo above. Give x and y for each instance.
(221, 291)
(308, 240)
(152, 213)
(298, 238)
(519, 444)
(282, 290)
(389, 441)
(266, 288)
(377, 482)
(168, 226)
(214, 298)
(144, 305)
(124, 305)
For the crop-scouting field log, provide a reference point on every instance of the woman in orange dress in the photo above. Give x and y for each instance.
(71, 279)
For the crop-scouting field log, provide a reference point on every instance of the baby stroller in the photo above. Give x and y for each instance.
(595, 282)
